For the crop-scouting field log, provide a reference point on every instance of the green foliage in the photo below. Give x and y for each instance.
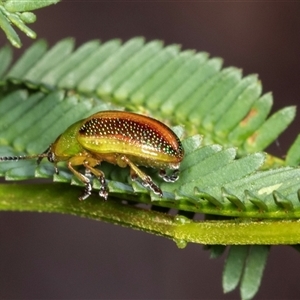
(212, 179)
(18, 13)
(222, 118)
(245, 265)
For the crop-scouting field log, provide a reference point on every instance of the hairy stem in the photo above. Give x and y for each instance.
(61, 198)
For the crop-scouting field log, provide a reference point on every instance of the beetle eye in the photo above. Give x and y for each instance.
(51, 156)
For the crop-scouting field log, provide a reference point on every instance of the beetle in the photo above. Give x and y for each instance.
(117, 137)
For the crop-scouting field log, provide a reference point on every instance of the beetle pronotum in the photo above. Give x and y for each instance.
(117, 137)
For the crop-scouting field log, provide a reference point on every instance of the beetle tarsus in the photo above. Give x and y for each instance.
(89, 171)
(103, 188)
(87, 191)
(154, 188)
(169, 178)
(136, 173)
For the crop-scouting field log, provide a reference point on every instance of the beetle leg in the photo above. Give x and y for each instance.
(87, 173)
(100, 176)
(146, 180)
(84, 179)
(133, 175)
(169, 178)
(41, 157)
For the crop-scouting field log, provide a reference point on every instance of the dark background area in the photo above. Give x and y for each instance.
(64, 257)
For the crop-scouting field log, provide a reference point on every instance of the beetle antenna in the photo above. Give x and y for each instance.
(23, 157)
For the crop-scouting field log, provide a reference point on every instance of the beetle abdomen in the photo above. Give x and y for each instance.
(131, 134)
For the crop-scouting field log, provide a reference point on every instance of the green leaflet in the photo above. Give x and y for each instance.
(56, 55)
(245, 265)
(110, 64)
(293, 155)
(26, 5)
(52, 77)
(253, 272)
(5, 58)
(29, 58)
(234, 267)
(8, 30)
(17, 12)
(111, 83)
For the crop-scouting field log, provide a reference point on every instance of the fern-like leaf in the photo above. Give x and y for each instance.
(226, 108)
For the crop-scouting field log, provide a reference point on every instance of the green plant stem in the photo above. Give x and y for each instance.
(60, 198)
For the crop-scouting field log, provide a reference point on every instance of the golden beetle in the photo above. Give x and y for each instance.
(117, 137)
